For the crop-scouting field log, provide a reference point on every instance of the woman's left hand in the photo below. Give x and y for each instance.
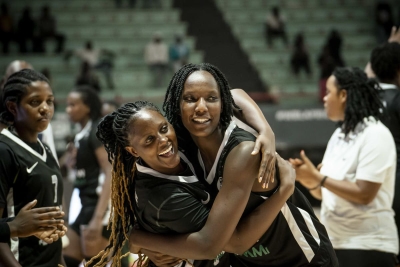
(266, 172)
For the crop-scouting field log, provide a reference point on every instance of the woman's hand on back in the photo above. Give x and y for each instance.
(266, 173)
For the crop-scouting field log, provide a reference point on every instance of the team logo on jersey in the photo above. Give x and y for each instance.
(205, 201)
(29, 170)
(81, 173)
(255, 252)
(42, 243)
(219, 183)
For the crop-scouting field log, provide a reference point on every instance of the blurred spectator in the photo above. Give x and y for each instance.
(178, 53)
(334, 43)
(48, 30)
(151, 3)
(275, 26)
(384, 21)
(6, 27)
(156, 57)
(88, 77)
(26, 32)
(108, 107)
(98, 59)
(300, 57)
(14, 67)
(131, 3)
(326, 65)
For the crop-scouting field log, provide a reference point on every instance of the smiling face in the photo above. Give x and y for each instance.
(334, 100)
(76, 109)
(36, 108)
(200, 104)
(153, 139)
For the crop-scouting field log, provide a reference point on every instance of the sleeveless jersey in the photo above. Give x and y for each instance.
(29, 175)
(167, 204)
(87, 167)
(295, 238)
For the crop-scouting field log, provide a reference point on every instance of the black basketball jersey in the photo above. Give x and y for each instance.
(26, 175)
(295, 238)
(87, 167)
(390, 96)
(167, 204)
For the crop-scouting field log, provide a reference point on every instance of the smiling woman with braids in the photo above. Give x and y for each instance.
(356, 181)
(155, 183)
(199, 105)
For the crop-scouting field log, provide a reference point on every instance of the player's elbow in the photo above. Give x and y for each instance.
(210, 250)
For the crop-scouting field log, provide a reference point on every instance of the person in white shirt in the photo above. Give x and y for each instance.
(357, 175)
(156, 57)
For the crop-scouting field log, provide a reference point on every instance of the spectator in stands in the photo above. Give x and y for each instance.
(383, 20)
(151, 3)
(156, 57)
(334, 43)
(300, 58)
(6, 27)
(48, 30)
(108, 107)
(131, 3)
(26, 32)
(385, 62)
(356, 178)
(178, 53)
(98, 59)
(326, 64)
(88, 77)
(275, 27)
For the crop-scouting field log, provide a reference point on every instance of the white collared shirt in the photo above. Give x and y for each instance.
(368, 153)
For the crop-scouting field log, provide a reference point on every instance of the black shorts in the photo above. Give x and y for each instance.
(365, 258)
(84, 217)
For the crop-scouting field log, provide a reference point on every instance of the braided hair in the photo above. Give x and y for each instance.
(15, 88)
(171, 105)
(91, 99)
(362, 97)
(385, 62)
(112, 131)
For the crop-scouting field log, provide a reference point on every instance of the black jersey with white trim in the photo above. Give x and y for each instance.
(295, 238)
(87, 166)
(25, 175)
(167, 204)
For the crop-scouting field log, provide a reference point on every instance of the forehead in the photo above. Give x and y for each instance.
(200, 80)
(74, 96)
(331, 83)
(146, 118)
(38, 88)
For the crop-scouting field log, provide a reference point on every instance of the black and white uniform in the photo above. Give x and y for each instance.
(390, 96)
(28, 172)
(295, 238)
(89, 179)
(167, 204)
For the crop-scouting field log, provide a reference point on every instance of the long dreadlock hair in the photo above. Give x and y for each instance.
(112, 131)
(171, 105)
(362, 97)
(15, 88)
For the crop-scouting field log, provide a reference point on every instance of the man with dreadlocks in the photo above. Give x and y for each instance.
(357, 177)
(168, 197)
(199, 105)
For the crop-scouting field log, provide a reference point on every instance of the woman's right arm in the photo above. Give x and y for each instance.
(255, 224)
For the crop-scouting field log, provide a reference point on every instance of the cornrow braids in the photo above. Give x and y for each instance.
(112, 131)
(385, 62)
(91, 99)
(15, 88)
(362, 97)
(171, 105)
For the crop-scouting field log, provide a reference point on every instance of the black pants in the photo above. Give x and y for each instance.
(365, 258)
